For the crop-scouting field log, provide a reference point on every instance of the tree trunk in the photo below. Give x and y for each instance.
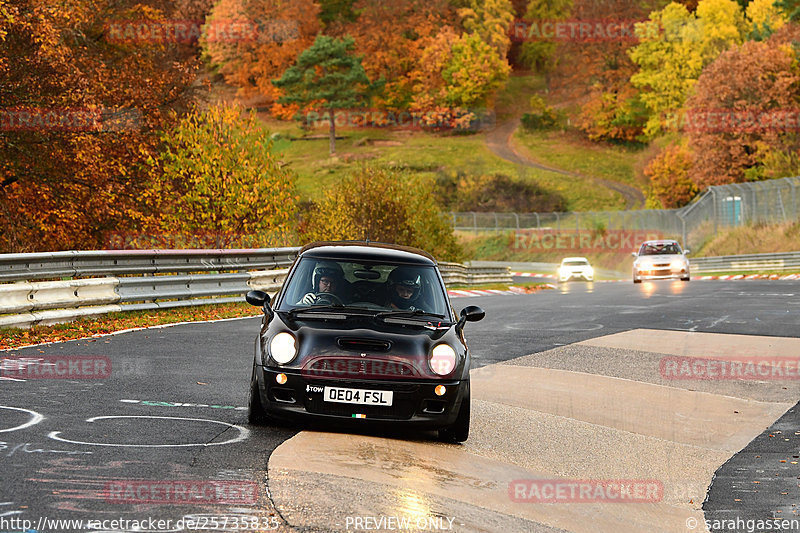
(333, 132)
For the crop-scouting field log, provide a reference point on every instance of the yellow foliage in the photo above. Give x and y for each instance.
(386, 206)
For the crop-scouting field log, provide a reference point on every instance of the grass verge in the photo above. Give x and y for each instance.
(89, 327)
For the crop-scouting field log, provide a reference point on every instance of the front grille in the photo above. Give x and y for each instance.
(363, 368)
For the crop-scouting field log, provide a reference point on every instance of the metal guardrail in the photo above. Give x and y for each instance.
(153, 279)
(74, 264)
(542, 268)
(747, 263)
(458, 274)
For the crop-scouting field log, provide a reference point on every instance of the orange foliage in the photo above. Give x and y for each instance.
(669, 177)
(596, 74)
(392, 36)
(744, 107)
(62, 188)
(284, 29)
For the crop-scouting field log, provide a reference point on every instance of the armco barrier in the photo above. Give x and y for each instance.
(54, 265)
(784, 262)
(135, 280)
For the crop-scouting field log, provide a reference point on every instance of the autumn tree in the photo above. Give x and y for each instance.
(674, 47)
(461, 72)
(391, 37)
(490, 20)
(275, 33)
(743, 112)
(790, 8)
(539, 53)
(65, 187)
(671, 184)
(763, 18)
(327, 75)
(217, 175)
(387, 206)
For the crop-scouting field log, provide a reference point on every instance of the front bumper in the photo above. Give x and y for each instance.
(655, 274)
(414, 401)
(575, 276)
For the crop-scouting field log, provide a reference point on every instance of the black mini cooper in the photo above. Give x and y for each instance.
(363, 332)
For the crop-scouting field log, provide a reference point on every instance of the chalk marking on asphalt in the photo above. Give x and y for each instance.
(35, 419)
(243, 433)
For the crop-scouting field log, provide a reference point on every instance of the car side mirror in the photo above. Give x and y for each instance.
(260, 299)
(687, 252)
(471, 313)
(634, 254)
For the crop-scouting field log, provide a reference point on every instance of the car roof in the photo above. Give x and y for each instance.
(367, 251)
(660, 242)
(574, 259)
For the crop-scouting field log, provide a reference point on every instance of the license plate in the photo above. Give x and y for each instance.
(358, 396)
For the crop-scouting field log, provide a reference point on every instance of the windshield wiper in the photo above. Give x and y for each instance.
(401, 313)
(315, 308)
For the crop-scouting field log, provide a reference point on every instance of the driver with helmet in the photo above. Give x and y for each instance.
(328, 281)
(404, 288)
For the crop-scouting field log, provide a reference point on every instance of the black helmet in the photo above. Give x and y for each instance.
(327, 268)
(405, 277)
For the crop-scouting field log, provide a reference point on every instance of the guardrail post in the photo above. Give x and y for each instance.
(539, 225)
(714, 201)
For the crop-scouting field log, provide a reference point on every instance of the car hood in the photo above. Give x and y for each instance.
(660, 259)
(331, 344)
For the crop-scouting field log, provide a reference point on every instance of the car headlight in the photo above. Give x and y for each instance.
(590, 271)
(283, 348)
(677, 264)
(443, 359)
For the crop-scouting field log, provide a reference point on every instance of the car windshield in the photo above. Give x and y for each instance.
(576, 263)
(660, 249)
(378, 287)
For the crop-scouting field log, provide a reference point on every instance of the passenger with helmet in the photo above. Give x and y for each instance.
(405, 288)
(328, 282)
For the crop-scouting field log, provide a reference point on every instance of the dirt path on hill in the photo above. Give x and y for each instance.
(499, 142)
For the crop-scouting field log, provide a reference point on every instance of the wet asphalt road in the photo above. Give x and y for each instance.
(172, 406)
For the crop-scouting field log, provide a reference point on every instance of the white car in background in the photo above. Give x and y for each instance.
(575, 268)
(660, 260)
